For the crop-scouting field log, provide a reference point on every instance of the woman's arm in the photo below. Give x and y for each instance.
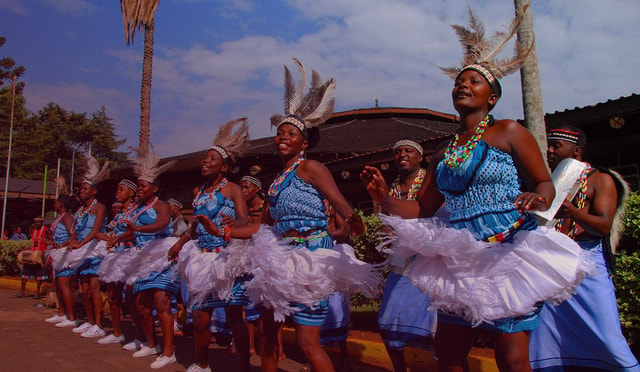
(531, 168)
(100, 212)
(162, 221)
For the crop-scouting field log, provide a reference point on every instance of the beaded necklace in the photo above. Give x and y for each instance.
(122, 216)
(275, 186)
(581, 201)
(84, 210)
(146, 207)
(413, 189)
(210, 195)
(454, 157)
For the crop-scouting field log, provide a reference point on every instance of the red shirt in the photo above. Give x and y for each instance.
(38, 241)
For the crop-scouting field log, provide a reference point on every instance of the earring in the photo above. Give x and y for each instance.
(302, 152)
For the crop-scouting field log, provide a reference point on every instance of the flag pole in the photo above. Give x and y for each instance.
(6, 180)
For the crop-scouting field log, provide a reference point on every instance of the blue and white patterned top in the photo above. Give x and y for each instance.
(84, 225)
(298, 206)
(213, 208)
(147, 218)
(60, 233)
(480, 193)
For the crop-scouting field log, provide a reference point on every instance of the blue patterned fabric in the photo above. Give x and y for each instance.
(479, 196)
(119, 228)
(147, 218)
(238, 297)
(166, 280)
(298, 206)
(583, 331)
(480, 193)
(403, 318)
(61, 235)
(213, 208)
(83, 226)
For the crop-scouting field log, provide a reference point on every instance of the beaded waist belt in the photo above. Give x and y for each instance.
(500, 237)
(304, 237)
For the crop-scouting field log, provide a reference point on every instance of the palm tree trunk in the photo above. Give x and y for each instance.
(530, 78)
(145, 89)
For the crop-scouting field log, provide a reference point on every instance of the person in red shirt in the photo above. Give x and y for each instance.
(35, 271)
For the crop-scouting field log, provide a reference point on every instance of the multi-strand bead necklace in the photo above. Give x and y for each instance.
(453, 156)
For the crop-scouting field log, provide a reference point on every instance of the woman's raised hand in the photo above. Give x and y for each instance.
(375, 184)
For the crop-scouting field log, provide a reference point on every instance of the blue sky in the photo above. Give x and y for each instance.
(216, 60)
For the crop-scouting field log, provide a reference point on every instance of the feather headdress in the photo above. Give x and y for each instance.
(94, 174)
(229, 144)
(480, 53)
(305, 110)
(145, 164)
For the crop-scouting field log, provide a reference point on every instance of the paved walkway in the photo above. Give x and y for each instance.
(30, 344)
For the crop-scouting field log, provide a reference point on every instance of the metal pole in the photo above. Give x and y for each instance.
(73, 169)
(57, 183)
(44, 189)
(6, 180)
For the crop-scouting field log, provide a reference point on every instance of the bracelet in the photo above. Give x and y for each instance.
(224, 232)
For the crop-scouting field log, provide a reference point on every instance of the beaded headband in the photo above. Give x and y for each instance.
(409, 143)
(252, 180)
(222, 151)
(567, 135)
(175, 202)
(231, 142)
(128, 183)
(117, 204)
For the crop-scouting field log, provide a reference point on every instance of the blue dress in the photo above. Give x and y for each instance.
(166, 280)
(299, 206)
(83, 226)
(214, 206)
(61, 235)
(479, 196)
(583, 331)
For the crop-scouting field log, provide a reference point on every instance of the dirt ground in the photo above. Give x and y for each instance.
(28, 343)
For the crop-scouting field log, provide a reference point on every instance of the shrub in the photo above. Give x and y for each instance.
(365, 249)
(9, 255)
(627, 279)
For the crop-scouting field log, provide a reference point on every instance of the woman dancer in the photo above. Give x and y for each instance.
(215, 199)
(109, 270)
(297, 212)
(153, 279)
(88, 221)
(62, 233)
(489, 266)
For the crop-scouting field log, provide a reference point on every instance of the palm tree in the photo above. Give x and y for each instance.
(530, 78)
(135, 15)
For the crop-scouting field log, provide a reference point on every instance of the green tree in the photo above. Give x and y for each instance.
(137, 14)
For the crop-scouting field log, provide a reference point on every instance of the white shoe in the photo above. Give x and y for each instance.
(111, 339)
(196, 368)
(146, 351)
(93, 331)
(163, 361)
(134, 345)
(56, 319)
(67, 323)
(81, 328)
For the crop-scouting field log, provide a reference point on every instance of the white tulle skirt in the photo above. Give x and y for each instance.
(283, 275)
(151, 257)
(212, 273)
(482, 281)
(112, 266)
(63, 258)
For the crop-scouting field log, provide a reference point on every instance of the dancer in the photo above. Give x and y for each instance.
(488, 266)
(179, 224)
(89, 220)
(584, 331)
(216, 198)
(255, 198)
(109, 270)
(154, 280)
(62, 232)
(298, 213)
(403, 318)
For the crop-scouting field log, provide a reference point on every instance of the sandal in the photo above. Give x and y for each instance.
(19, 295)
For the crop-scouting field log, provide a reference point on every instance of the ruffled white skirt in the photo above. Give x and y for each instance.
(283, 275)
(63, 258)
(113, 265)
(151, 257)
(212, 273)
(482, 281)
